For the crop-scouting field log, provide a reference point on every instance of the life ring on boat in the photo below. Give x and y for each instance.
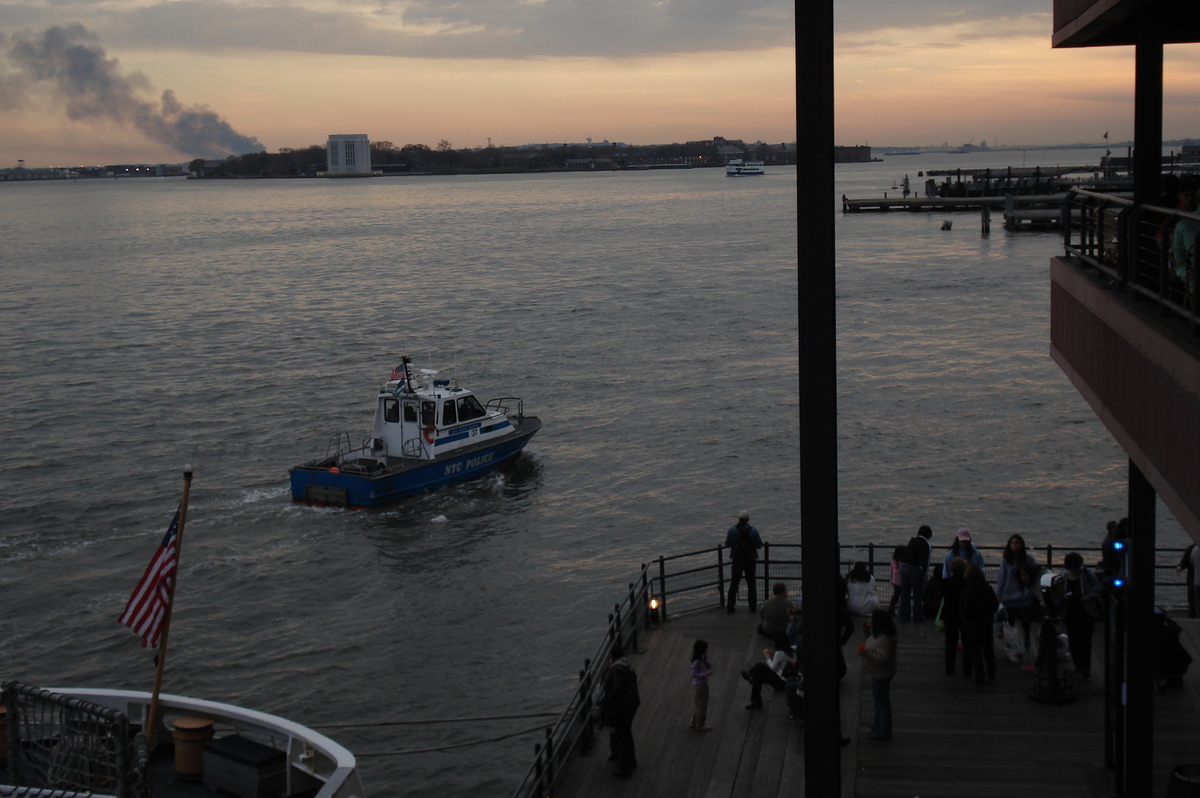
(429, 433)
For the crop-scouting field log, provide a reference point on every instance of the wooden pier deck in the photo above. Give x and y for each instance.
(951, 737)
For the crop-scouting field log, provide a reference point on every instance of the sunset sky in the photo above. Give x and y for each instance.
(82, 81)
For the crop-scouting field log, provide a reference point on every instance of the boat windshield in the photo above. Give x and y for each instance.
(469, 408)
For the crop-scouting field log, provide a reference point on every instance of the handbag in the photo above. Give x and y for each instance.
(938, 623)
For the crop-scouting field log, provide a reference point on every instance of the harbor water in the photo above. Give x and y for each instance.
(649, 319)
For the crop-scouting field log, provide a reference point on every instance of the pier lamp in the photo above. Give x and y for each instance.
(653, 606)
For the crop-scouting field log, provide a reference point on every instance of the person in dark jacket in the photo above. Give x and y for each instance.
(952, 591)
(617, 708)
(743, 543)
(1082, 606)
(977, 609)
(914, 564)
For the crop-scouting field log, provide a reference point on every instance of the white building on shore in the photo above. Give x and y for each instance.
(349, 155)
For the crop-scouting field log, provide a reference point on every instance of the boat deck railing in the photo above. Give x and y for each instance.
(1131, 244)
(316, 765)
(695, 581)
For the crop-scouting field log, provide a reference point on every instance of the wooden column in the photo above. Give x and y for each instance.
(818, 392)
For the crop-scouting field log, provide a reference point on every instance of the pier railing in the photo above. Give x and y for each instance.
(699, 580)
(575, 729)
(1133, 246)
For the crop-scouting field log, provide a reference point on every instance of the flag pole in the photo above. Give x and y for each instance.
(161, 657)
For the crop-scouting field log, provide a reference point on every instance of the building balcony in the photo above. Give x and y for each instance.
(1126, 331)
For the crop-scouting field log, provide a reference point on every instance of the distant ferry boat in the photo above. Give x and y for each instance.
(739, 168)
(427, 434)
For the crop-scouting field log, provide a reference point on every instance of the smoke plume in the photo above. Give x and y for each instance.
(67, 60)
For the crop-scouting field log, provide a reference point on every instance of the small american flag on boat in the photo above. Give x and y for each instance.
(398, 373)
(148, 605)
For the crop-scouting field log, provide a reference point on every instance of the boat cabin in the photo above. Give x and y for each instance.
(424, 417)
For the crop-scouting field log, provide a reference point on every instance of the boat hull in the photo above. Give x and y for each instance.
(315, 484)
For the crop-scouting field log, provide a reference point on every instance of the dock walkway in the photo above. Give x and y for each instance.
(950, 738)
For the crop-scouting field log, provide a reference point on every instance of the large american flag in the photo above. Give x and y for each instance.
(148, 605)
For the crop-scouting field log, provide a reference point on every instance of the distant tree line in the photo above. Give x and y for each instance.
(444, 159)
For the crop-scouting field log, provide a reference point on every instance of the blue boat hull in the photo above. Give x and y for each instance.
(315, 484)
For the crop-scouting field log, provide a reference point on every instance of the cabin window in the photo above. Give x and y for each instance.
(391, 411)
(428, 409)
(410, 412)
(469, 408)
(449, 416)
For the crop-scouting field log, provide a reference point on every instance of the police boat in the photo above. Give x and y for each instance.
(427, 434)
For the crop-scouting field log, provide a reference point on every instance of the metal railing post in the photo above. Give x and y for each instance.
(588, 737)
(634, 614)
(662, 588)
(721, 574)
(766, 576)
(549, 751)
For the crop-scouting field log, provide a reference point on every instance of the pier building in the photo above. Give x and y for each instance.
(1125, 314)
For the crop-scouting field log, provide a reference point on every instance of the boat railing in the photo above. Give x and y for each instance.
(414, 448)
(499, 404)
(316, 765)
(59, 742)
(695, 581)
(338, 446)
(1132, 246)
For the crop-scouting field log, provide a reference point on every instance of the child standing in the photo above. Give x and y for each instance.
(700, 673)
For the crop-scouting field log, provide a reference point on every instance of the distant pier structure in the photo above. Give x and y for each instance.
(349, 155)
(860, 154)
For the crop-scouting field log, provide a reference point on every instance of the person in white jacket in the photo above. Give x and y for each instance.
(860, 589)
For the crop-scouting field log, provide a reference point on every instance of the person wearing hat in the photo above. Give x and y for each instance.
(962, 548)
(743, 543)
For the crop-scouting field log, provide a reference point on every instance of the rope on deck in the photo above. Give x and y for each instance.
(452, 747)
(434, 720)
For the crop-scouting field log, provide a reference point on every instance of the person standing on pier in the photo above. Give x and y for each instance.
(1081, 608)
(743, 543)
(1183, 246)
(879, 650)
(617, 708)
(977, 609)
(962, 547)
(913, 567)
(1015, 590)
(700, 673)
(949, 614)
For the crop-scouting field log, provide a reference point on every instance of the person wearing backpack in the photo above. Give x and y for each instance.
(743, 543)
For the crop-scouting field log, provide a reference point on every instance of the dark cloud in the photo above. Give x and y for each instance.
(66, 61)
